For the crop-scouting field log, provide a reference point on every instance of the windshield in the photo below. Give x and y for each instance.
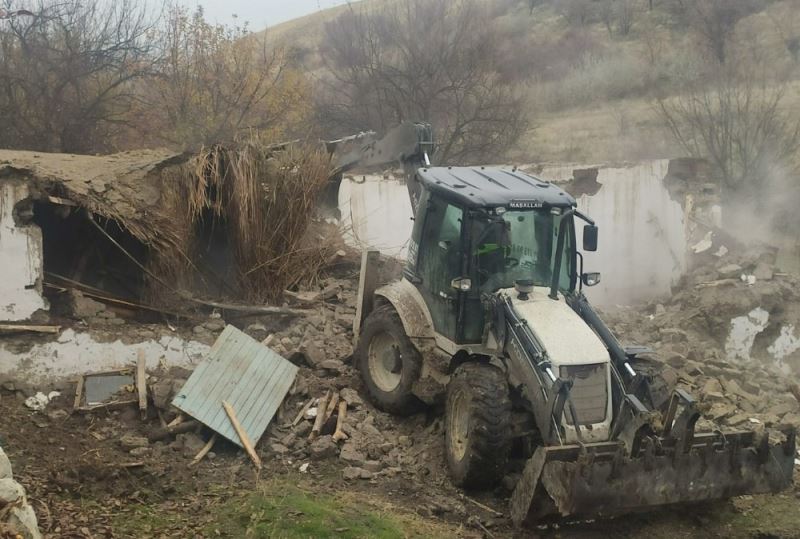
(521, 247)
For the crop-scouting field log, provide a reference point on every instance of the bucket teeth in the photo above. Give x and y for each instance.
(602, 480)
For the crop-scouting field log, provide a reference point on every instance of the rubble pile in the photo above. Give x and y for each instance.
(719, 335)
(17, 518)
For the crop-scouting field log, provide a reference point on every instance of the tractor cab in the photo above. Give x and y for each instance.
(479, 230)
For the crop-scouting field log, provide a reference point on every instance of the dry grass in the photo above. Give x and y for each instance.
(268, 196)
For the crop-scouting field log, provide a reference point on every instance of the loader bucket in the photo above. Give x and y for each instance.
(596, 480)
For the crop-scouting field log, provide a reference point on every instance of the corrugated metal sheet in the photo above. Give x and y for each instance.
(244, 373)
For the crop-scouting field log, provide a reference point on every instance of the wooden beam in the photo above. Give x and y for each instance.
(248, 445)
(31, 328)
(141, 382)
(204, 451)
(367, 283)
(78, 394)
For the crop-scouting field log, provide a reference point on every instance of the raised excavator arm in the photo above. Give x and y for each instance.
(409, 145)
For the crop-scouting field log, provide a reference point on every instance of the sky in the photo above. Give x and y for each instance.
(259, 14)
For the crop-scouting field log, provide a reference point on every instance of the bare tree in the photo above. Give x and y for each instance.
(714, 21)
(618, 15)
(738, 121)
(431, 60)
(67, 72)
(213, 81)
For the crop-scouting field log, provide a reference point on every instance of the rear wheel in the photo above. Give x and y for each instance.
(389, 362)
(477, 425)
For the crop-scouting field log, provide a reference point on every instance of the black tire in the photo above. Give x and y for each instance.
(477, 425)
(383, 341)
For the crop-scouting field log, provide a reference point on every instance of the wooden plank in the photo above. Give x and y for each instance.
(141, 383)
(367, 283)
(31, 328)
(204, 451)
(302, 412)
(248, 446)
(78, 394)
(160, 434)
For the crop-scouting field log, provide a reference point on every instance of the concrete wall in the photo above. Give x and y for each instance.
(21, 254)
(642, 231)
(73, 353)
(643, 238)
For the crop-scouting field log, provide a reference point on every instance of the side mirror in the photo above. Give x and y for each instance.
(590, 279)
(590, 238)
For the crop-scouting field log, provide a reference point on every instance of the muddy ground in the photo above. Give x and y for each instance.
(95, 475)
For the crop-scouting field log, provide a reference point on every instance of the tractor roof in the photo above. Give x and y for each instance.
(492, 186)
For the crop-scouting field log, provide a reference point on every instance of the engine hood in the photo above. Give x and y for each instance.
(564, 335)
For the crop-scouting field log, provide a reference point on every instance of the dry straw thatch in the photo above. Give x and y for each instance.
(267, 195)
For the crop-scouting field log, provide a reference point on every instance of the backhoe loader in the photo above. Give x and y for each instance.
(490, 317)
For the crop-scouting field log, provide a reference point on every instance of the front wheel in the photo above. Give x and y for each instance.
(389, 362)
(477, 425)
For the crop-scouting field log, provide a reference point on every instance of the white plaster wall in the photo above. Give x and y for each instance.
(642, 245)
(376, 214)
(21, 259)
(642, 249)
(74, 353)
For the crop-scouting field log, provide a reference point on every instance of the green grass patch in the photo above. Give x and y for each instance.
(285, 511)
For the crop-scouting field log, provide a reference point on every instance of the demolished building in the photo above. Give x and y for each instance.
(153, 227)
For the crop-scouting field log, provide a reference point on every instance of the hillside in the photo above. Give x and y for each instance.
(588, 86)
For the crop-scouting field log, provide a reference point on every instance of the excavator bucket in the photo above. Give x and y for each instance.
(603, 479)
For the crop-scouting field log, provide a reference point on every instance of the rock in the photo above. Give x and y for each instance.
(730, 270)
(57, 415)
(302, 429)
(721, 410)
(5, 465)
(792, 419)
(22, 520)
(289, 439)
(192, 443)
(350, 454)
(140, 451)
(368, 429)
(331, 365)
(132, 441)
(510, 481)
(279, 449)
(676, 361)
(323, 447)
(405, 441)
(313, 354)
(693, 369)
(352, 472)
(351, 397)
(162, 394)
(763, 271)
(257, 331)
(83, 307)
(10, 491)
(783, 408)
(215, 324)
(373, 466)
(712, 390)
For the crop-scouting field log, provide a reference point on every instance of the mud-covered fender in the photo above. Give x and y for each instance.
(413, 311)
(418, 325)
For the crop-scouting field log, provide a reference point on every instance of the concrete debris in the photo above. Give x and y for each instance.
(323, 447)
(703, 245)
(5, 465)
(40, 400)
(132, 441)
(352, 472)
(16, 514)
